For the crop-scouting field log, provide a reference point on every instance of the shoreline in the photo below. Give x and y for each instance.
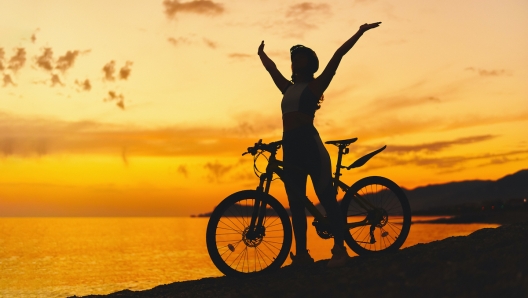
(493, 217)
(488, 262)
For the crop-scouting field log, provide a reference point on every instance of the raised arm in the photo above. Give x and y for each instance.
(321, 83)
(280, 81)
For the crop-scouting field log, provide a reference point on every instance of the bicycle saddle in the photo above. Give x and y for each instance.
(342, 142)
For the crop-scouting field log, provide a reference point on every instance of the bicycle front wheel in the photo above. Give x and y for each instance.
(234, 249)
(385, 208)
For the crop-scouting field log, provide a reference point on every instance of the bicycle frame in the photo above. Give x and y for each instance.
(276, 166)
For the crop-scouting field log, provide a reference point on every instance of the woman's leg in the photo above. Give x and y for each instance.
(321, 174)
(295, 184)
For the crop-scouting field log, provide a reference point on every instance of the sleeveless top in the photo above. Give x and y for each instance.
(299, 98)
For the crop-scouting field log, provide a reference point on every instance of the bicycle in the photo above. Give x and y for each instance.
(250, 231)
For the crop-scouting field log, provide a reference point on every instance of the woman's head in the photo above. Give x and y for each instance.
(304, 60)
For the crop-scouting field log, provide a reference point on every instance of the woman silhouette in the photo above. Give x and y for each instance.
(303, 151)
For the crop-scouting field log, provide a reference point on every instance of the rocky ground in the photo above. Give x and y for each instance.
(487, 263)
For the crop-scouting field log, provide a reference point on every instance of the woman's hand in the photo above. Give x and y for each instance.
(261, 48)
(366, 26)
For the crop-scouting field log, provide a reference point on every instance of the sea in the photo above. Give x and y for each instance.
(62, 257)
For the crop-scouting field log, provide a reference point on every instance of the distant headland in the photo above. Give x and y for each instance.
(501, 201)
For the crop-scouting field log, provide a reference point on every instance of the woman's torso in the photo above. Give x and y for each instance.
(298, 106)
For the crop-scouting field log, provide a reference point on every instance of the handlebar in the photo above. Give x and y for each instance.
(271, 147)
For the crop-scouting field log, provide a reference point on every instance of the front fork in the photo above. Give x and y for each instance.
(256, 225)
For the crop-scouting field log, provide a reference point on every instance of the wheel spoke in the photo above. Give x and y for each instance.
(388, 199)
(229, 225)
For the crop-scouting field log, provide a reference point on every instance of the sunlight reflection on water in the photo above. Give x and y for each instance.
(59, 257)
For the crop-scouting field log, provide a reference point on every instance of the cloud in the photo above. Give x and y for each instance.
(400, 102)
(8, 81)
(210, 43)
(204, 7)
(20, 136)
(489, 73)
(178, 41)
(305, 9)
(2, 57)
(124, 156)
(45, 61)
(84, 85)
(113, 96)
(124, 72)
(239, 56)
(393, 125)
(55, 80)
(66, 62)
(18, 60)
(456, 161)
(217, 170)
(428, 154)
(476, 120)
(34, 35)
(182, 169)
(109, 70)
(304, 16)
(437, 146)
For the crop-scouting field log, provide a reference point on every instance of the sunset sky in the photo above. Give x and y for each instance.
(143, 108)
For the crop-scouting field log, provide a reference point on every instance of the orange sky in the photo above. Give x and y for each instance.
(143, 108)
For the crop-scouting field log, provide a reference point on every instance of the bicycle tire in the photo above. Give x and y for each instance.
(390, 233)
(231, 252)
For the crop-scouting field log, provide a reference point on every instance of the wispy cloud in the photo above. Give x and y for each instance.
(27, 136)
(217, 170)
(205, 7)
(305, 16)
(489, 72)
(443, 162)
(429, 155)
(437, 146)
(239, 56)
(393, 125)
(210, 43)
(178, 41)
(182, 169)
(400, 102)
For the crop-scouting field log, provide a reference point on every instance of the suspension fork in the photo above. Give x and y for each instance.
(259, 208)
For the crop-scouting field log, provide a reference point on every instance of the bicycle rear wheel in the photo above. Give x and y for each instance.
(388, 223)
(237, 251)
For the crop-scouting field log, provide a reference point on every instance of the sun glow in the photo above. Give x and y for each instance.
(146, 111)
